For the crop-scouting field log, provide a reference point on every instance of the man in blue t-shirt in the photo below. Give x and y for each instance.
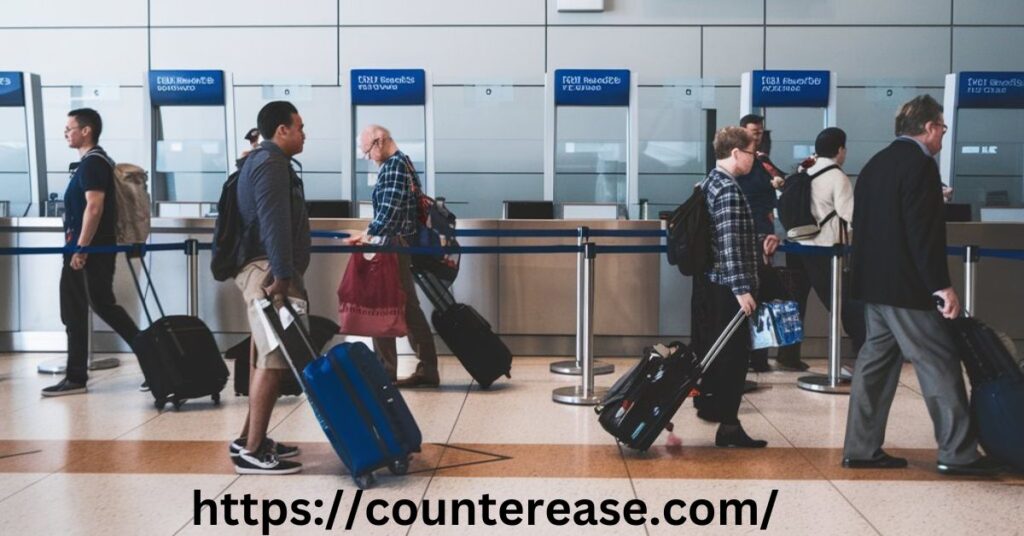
(90, 215)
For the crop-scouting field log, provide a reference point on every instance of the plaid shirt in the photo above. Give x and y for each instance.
(734, 242)
(395, 206)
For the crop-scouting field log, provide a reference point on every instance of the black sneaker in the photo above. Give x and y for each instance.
(144, 387)
(282, 450)
(65, 387)
(264, 462)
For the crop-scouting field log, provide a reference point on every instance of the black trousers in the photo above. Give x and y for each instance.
(75, 301)
(818, 275)
(712, 308)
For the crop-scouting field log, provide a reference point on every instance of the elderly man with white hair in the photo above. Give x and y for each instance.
(395, 207)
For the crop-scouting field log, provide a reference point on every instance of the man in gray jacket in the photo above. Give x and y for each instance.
(277, 244)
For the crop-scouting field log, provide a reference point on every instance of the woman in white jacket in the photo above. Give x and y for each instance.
(830, 192)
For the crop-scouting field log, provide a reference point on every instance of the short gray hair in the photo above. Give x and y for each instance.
(917, 113)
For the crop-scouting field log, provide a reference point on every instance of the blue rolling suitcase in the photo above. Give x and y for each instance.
(363, 414)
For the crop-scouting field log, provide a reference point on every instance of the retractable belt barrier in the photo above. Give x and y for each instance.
(586, 252)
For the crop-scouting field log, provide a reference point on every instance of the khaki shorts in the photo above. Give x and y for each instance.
(251, 280)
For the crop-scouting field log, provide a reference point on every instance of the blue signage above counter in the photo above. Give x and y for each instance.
(12, 89)
(790, 89)
(592, 87)
(389, 87)
(991, 90)
(186, 88)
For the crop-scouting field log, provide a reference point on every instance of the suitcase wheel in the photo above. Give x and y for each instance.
(160, 405)
(216, 399)
(178, 403)
(364, 481)
(399, 467)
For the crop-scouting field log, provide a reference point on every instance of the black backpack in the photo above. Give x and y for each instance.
(689, 235)
(795, 203)
(228, 252)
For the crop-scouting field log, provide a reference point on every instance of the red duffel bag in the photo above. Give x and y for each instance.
(371, 300)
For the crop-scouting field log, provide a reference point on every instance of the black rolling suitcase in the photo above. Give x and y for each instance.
(321, 331)
(997, 389)
(178, 354)
(643, 401)
(467, 334)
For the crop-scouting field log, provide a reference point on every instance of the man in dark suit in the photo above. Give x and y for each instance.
(899, 270)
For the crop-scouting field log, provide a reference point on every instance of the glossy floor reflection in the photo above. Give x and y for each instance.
(109, 462)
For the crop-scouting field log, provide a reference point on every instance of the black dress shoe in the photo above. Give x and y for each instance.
(796, 366)
(883, 461)
(981, 467)
(418, 380)
(733, 436)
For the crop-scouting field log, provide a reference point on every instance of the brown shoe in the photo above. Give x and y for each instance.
(418, 380)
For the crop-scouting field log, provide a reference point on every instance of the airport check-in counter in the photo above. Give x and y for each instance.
(530, 299)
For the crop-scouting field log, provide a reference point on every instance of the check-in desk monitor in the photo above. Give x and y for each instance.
(592, 132)
(192, 126)
(397, 100)
(985, 165)
(22, 152)
(796, 105)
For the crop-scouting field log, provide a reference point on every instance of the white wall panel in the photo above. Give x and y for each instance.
(988, 12)
(243, 12)
(76, 13)
(992, 49)
(304, 55)
(656, 55)
(665, 12)
(858, 12)
(115, 56)
(449, 12)
(450, 55)
(862, 55)
(729, 52)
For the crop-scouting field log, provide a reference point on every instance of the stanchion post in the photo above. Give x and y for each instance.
(971, 258)
(585, 394)
(192, 276)
(644, 209)
(575, 367)
(833, 383)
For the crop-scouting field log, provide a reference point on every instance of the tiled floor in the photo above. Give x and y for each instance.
(109, 462)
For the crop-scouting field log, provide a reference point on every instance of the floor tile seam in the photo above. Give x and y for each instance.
(824, 477)
(444, 449)
(33, 483)
(191, 520)
(629, 477)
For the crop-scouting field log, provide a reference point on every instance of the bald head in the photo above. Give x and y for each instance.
(376, 144)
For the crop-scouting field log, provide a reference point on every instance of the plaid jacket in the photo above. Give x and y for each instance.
(395, 206)
(734, 242)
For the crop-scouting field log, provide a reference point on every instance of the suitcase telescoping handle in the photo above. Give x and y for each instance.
(149, 285)
(727, 334)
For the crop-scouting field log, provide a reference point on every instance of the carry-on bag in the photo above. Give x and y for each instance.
(371, 300)
(997, 389)
(466, 332)
(178, 354)
(643, 401)
(321, 331)
(363, 415)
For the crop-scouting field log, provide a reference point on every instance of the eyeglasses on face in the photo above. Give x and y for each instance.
(366, 152)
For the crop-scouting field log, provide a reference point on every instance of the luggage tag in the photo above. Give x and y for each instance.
(267, 336)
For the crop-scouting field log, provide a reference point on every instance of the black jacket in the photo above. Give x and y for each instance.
(899, 244)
